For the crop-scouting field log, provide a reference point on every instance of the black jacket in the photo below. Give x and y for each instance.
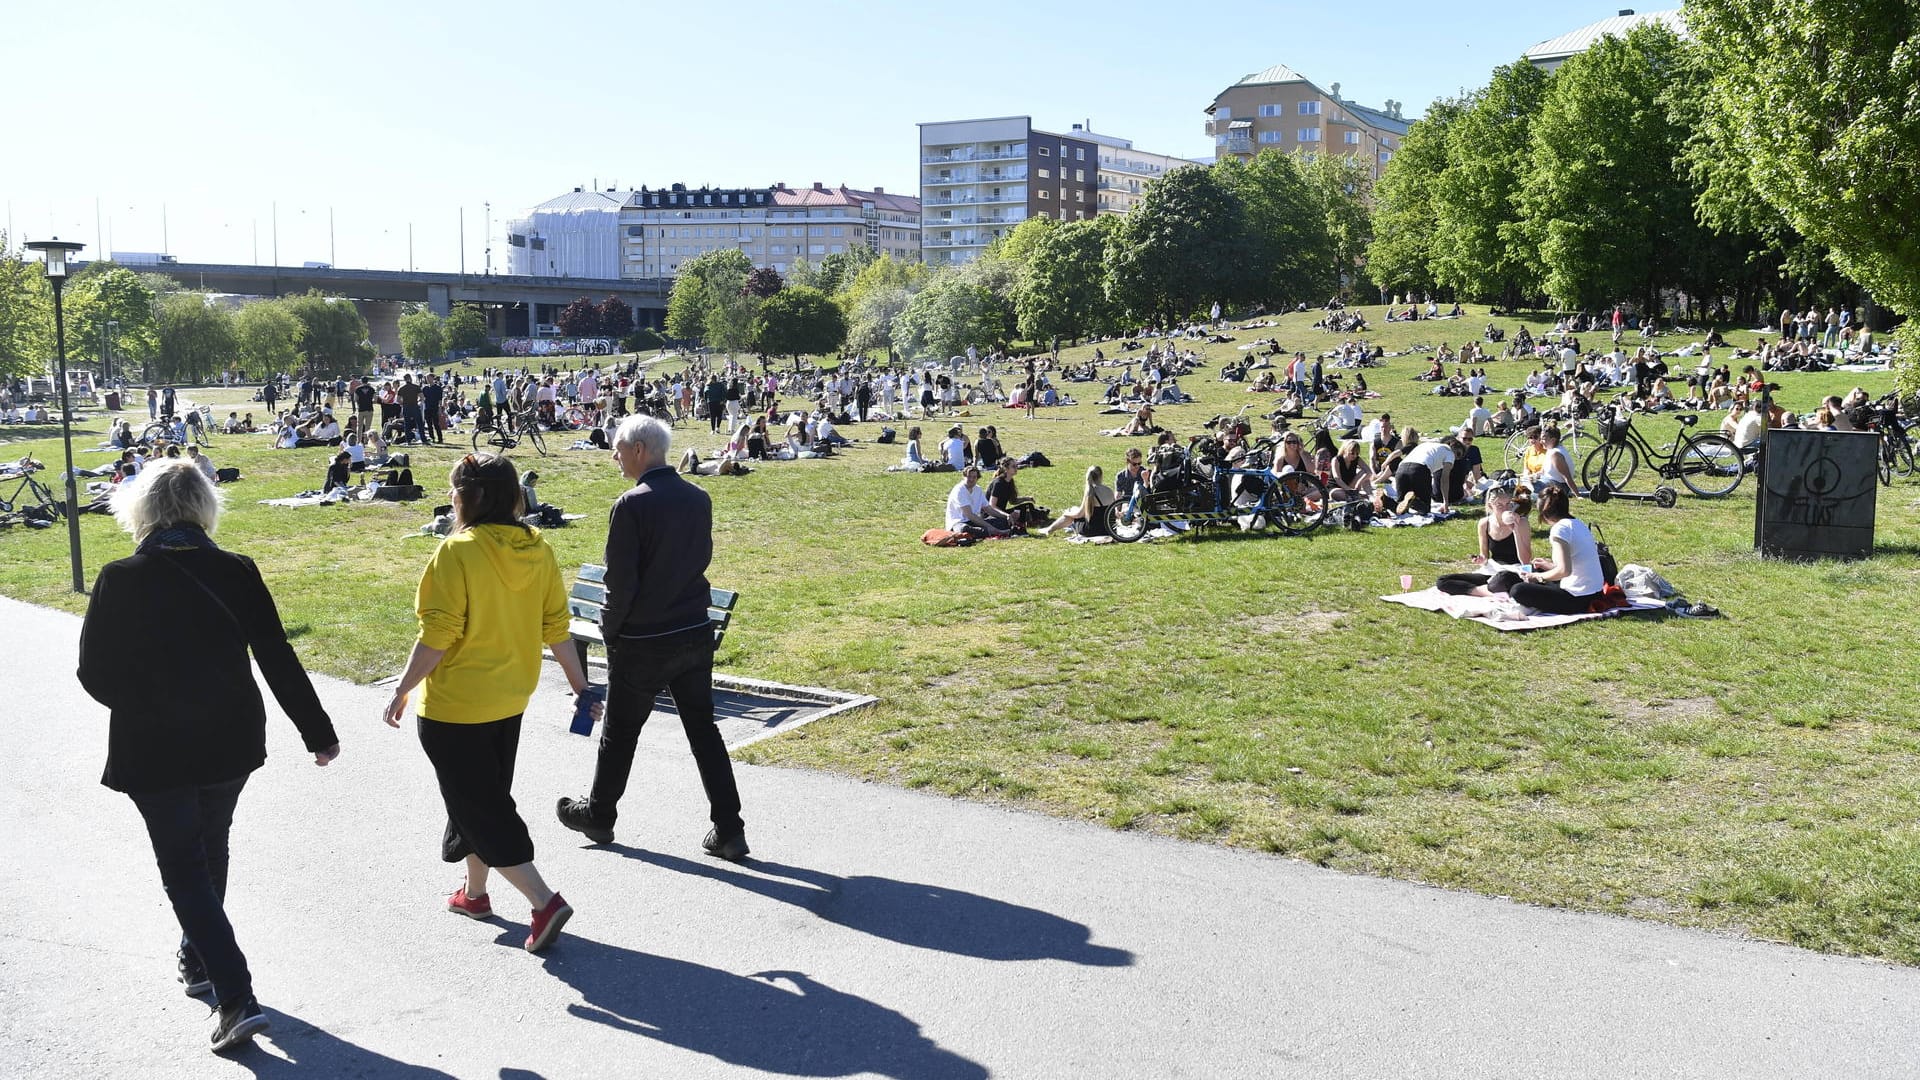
(659, 542)
(159, 652)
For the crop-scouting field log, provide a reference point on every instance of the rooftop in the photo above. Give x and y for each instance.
(821, 195)
(1577, 41)
(1273, 76)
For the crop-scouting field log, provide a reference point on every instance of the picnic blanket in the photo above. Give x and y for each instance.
(306, 499)
(1411, 521)
(1503, 614)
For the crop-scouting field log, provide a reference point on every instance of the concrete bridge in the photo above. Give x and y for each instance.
(514, 306)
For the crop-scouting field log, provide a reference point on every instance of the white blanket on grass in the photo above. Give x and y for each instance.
(1503, 614)
(1410, 521)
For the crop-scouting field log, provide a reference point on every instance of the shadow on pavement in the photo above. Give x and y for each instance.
(927, 916)
(311, 1052)
(751, 1021)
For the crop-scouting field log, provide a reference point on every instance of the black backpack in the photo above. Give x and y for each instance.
(1609, 566)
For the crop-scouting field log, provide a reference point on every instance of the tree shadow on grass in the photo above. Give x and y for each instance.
(313, 1053)
(925, 916)
(782, 1022)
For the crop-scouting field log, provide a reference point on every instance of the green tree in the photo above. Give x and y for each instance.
(1401, 256)
(334, 340)
(1017, 245)
(466, 328)
(871, 320)
(710, 302)
(1606, 197)
(1293, 253)
(1480, 245)
(1184, 246)
(947, 316)
(423, 337)
(1342, 191)
(1817, 98)
(102, 293)
(267, 338)
(799, 322)
(26, 314)
(838, 270)
(1063, 290)
(196, 338)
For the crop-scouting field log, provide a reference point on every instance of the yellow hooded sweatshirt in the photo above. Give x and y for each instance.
(491, 596)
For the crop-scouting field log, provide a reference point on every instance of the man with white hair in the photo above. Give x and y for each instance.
(659, 543)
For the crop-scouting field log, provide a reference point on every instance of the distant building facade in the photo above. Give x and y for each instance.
(1281, 109)
(1126, 172)
(648, 233)
(981, 178)
(1553, 52)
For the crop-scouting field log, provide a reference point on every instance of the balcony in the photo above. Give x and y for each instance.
(1004, 197)
(963, 153)
(966, 241)
(960, 200)
(1237, 145)
(969, 219)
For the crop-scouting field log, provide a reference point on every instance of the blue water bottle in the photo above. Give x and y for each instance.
(583, 704)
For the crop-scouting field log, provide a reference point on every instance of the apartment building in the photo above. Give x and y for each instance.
(1125, 172)
(1281, 109)
(1548, 55)
(981, 178)
(648, 233)
(774, 226)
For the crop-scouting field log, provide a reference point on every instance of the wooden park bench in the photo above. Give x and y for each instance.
(589, 598)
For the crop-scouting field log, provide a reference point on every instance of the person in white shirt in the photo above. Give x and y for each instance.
(1566, 583)
(1476, 383)
(1425, 471)
(1743, 425)
(967, 508)
(1478, 417)
(955, 448)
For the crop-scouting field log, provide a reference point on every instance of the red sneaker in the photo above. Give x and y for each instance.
(547, 923)
(473, 907)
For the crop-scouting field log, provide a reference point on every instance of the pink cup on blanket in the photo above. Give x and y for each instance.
(1406, 582)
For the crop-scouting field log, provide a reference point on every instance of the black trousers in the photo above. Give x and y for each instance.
(1463, 584)
(474, 764)
(188, 827)
(637, 670)
(1550, 598)
(1415, 480)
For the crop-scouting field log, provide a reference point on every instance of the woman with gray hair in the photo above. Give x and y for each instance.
(182, 748)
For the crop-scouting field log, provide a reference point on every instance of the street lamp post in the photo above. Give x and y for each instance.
(56, 252)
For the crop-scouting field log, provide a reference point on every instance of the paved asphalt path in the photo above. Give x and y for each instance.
(876, 932)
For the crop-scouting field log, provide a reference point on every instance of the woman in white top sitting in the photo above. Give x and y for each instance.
(1567, 583)
(955, 449)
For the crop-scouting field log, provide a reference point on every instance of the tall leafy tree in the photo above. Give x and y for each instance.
(1400, 258)
(196, 339)
(799, 322)
(838, 270)
(334, 339)
(580, 318)
(710, 302)
(1606, 198)
(1184, 246)
(871, 319)
(1341, 190)
(267, 338)
(1817, 98)
(423, 336)
(1480, 245)
(763, 282)
(1292, 255)
(466, 328)
(947, 316)
(26, 314)
(616, 318)
(1062, 293)
(884, 274)
(104, 292)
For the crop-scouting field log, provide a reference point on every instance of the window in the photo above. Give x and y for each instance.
(1309, 108)
(1386, 156)
(1080, 175)
(1220, 139)
(778, 249)
(816, 230)
(1044, 152)
(838, 248)
(1270, 110)
(817, 249)
(1044, 193)
(1079, 195)
(838, 231)
(1386, 142)
(686, 233)
(1353, 138)
(1271, 136)
(1309, 134)
(1046, 174)
(1079, 153)
(1224, 112)
(636, 230)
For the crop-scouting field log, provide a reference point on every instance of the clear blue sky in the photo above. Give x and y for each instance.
(400, 114)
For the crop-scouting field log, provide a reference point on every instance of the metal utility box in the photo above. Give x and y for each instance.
(1818, 495)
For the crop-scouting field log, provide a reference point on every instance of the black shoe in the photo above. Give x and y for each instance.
(193, 974)
(731, 848)
(575, 815)
(237, 1023)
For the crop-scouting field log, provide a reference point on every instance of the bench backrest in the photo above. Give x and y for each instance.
(588, 599)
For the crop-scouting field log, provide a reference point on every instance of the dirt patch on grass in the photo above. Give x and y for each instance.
(1643, 711)
(1297, 622)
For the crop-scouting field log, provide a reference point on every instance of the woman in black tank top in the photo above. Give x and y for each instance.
(1505, 541)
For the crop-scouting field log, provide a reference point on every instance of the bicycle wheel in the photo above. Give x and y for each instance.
(1517, 449)
(1125, 522)
(1613, 464)
(154, 431)
(1296, 503)
(576, 416)
(1903, 459)
(1710, 466)
(1883, 467)
(538, 440)
(480, 439)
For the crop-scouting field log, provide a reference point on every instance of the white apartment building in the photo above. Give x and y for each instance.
(1126, 172)
(981, 178)
(775, 226)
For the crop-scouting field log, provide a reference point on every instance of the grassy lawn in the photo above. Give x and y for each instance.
(1755, 773)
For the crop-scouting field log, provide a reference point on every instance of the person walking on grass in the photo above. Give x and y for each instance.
(489, 599)
(659, 542)
(183, 748)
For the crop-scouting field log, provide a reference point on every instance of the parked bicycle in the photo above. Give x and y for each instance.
(30, 501)
(1896, 444)
(1710, 465)
(503, 438)
(1196, 488)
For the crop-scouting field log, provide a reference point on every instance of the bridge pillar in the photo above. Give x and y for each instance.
(440, 300)
(383, 323)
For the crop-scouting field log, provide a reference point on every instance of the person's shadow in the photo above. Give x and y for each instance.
(926, 916)
(311, 1052)
(774, 1021)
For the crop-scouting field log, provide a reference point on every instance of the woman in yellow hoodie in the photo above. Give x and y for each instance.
(490, 598)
